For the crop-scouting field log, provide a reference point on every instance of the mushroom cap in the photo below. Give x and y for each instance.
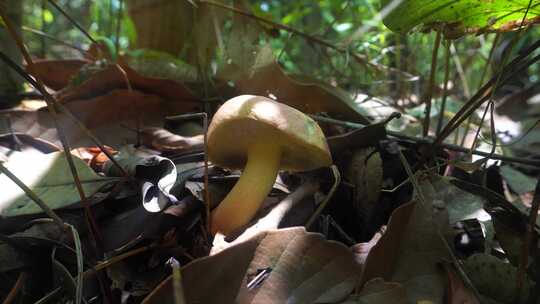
(246, 120)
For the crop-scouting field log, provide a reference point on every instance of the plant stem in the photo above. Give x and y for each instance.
(514, 67)
(429, 92)
(445, 88)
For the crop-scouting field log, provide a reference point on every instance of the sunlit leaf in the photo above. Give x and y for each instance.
(459, 17)
(49, 177)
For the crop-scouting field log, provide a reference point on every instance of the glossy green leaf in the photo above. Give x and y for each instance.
(459, 17)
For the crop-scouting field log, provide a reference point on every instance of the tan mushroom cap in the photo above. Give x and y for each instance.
(247, 119)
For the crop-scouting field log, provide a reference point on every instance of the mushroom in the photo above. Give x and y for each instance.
(262, 136)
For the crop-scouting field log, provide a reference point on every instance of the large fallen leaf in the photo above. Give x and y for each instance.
(272, 219)
(457, 292)
(460, 16)
(305, 269)
(264, 76)
(422, 247)
(113, 77)
(495, 278)
(49, 177)
(377, 291)
(379, 256)
(105, 115)
(410, 248)
(461, 204)
(56, 74)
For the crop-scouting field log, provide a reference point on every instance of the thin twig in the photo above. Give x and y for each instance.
(429, 94)
(409, 139)
(490, 57)
(60, 41)
(75, 23)
(51, 101)
(322, 205)
(513, 68)
(116, 259)
(359, 58)
(16, 288)
(64, 110)
(460, 71)
(49, 296)
(484, 73)
(445, 87)
(491, 86)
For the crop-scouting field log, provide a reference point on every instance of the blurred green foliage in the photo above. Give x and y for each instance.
(351, 25)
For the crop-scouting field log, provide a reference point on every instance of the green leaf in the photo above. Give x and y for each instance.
(518, 181)
(459, 17)
(48, 17)
(49, 177)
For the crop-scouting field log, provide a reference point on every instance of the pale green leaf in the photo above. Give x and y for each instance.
(49, 177)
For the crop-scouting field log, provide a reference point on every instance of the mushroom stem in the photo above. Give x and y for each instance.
(256, 181)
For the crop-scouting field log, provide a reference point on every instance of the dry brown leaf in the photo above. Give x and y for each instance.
(377, 291)
(93, 156)
(56, 74)
(379, 256)
(422, 247)
(457, 292)
(305, 269)
(409, 250)
(112, 78)
(306, 95)
(123, 105)
(257, 72)
(103, 115)
(165, 141)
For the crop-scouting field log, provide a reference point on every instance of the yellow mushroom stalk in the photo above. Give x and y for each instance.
(251, 189)
(261, 136)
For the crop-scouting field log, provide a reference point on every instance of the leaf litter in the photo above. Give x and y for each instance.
(436, 242)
